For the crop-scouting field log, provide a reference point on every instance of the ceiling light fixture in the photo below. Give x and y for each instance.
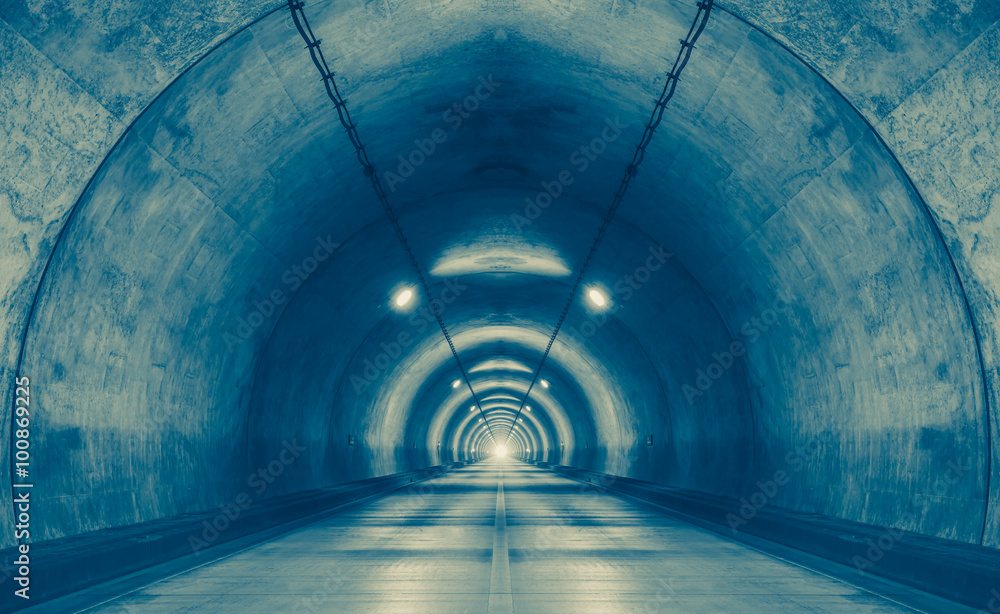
(597, 297)
(403, 297)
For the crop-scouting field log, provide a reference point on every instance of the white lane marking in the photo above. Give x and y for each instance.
(501, 599)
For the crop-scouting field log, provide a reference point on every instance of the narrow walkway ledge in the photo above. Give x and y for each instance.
(956, 571)
(501, 536)
(70, 564)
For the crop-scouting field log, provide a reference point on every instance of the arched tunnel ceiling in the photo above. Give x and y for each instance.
(794, 206)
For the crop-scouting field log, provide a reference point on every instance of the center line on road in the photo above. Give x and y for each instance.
(501, 599)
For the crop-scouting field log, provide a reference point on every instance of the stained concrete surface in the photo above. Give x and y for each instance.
(768, 190)
(433, 549)
(826, 168)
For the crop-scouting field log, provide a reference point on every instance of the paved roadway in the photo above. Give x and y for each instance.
(500, 538)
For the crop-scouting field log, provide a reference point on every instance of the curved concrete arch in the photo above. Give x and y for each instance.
(208, 287)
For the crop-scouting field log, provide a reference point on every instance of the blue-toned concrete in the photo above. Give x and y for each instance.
(502, 538)
(802, 280)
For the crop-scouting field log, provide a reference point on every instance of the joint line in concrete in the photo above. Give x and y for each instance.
(501, 597)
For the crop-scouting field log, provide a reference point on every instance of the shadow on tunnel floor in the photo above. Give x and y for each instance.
(863, 555)
(62, 567)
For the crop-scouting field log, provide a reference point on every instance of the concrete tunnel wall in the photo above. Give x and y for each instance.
(148, 218)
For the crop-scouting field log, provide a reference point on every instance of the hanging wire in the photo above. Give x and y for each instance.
(683, 56)
(296, 7)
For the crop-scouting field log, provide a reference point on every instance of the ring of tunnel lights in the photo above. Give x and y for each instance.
(314, 45)
(698, 25)
(536, 431)
(761, 396)
(500, 399)
(597, 297)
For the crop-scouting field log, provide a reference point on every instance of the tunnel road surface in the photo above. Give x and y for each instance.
(498, 536)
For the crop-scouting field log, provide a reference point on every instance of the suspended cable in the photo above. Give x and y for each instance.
(687, 46)
(313, 45)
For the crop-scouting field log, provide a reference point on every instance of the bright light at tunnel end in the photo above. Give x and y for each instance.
(501, 451)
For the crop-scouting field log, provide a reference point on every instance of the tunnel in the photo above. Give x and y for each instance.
(500, 306)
